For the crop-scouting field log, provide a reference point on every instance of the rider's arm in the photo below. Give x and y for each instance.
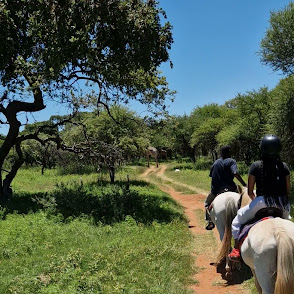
(288, 185)
(251, 183)
(239, 178)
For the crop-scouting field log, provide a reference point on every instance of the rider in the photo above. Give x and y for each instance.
(272, 178)
(222, 175)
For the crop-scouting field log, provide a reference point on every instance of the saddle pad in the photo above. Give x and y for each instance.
(246, 228)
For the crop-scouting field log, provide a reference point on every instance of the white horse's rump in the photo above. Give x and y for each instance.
(269, 252)
(224, 209)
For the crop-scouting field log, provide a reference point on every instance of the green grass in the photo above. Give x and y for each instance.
(196, 178)
(43, 256)
(93, 237)
(169, 183)
(32, 180)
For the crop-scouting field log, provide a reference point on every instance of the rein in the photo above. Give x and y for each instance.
(240, 200)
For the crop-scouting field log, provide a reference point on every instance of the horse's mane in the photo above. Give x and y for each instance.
(244, 198)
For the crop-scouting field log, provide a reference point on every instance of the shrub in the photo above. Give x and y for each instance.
(108, 204)
(203, 163)
(75, 168)
(243, 168)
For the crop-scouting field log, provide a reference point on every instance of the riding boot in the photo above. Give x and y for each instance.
(210, 225)
(207, 214)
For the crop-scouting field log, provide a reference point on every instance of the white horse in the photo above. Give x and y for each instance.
(153, 152)
(224, 209)
(269, 251)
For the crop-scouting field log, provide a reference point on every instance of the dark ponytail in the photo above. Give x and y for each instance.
(272, 172)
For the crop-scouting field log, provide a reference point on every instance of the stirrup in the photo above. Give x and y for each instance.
(210, 225)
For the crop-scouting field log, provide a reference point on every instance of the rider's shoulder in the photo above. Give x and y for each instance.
(285, 164)
(256, 163)
(286, 168)
(229, 160)
(254, 166)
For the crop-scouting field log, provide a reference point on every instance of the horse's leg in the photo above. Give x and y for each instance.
(256, 282)
(262, 262)
(264, 272)
(218, 218)
(229, 273)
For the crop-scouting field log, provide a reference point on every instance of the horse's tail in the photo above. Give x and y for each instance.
(231, 211)
(285, 262)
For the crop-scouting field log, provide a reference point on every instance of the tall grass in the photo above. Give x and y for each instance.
(44, 256)
(66, 234)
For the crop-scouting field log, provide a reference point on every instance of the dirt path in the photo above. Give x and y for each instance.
(209, 280)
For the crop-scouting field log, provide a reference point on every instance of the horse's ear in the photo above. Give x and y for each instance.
(239, 189)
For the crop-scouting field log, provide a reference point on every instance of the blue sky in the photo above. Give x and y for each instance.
(215, 50)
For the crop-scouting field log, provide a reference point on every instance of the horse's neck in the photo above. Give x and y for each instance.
(245, 198)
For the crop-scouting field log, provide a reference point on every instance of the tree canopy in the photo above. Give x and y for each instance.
(277, 48)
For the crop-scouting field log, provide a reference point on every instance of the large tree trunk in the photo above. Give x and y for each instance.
(10, 112)
(6, 191)
(192, 152)
(112, 174)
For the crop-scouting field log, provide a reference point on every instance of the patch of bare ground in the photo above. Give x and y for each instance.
(210, 280)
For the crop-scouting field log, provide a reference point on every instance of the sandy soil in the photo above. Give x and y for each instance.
(210, 280)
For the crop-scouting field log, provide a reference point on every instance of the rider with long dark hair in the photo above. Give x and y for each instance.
(272, 179)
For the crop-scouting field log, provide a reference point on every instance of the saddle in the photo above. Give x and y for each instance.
(261, 215)
(220, 192)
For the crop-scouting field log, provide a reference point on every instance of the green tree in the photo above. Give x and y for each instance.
(277, 51)
(108, 140)
(48, 48)
(277, 47)
(248, 124)
(161, 134)
(44, 156)
(281, 116)
(207, 122)
(182, 130)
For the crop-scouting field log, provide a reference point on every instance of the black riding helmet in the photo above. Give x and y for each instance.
(270, 146)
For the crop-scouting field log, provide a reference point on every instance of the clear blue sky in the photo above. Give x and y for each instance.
(215, 50)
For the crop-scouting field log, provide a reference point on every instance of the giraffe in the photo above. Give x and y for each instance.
(152, 151)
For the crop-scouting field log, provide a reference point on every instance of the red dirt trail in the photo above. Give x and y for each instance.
(209, 280)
